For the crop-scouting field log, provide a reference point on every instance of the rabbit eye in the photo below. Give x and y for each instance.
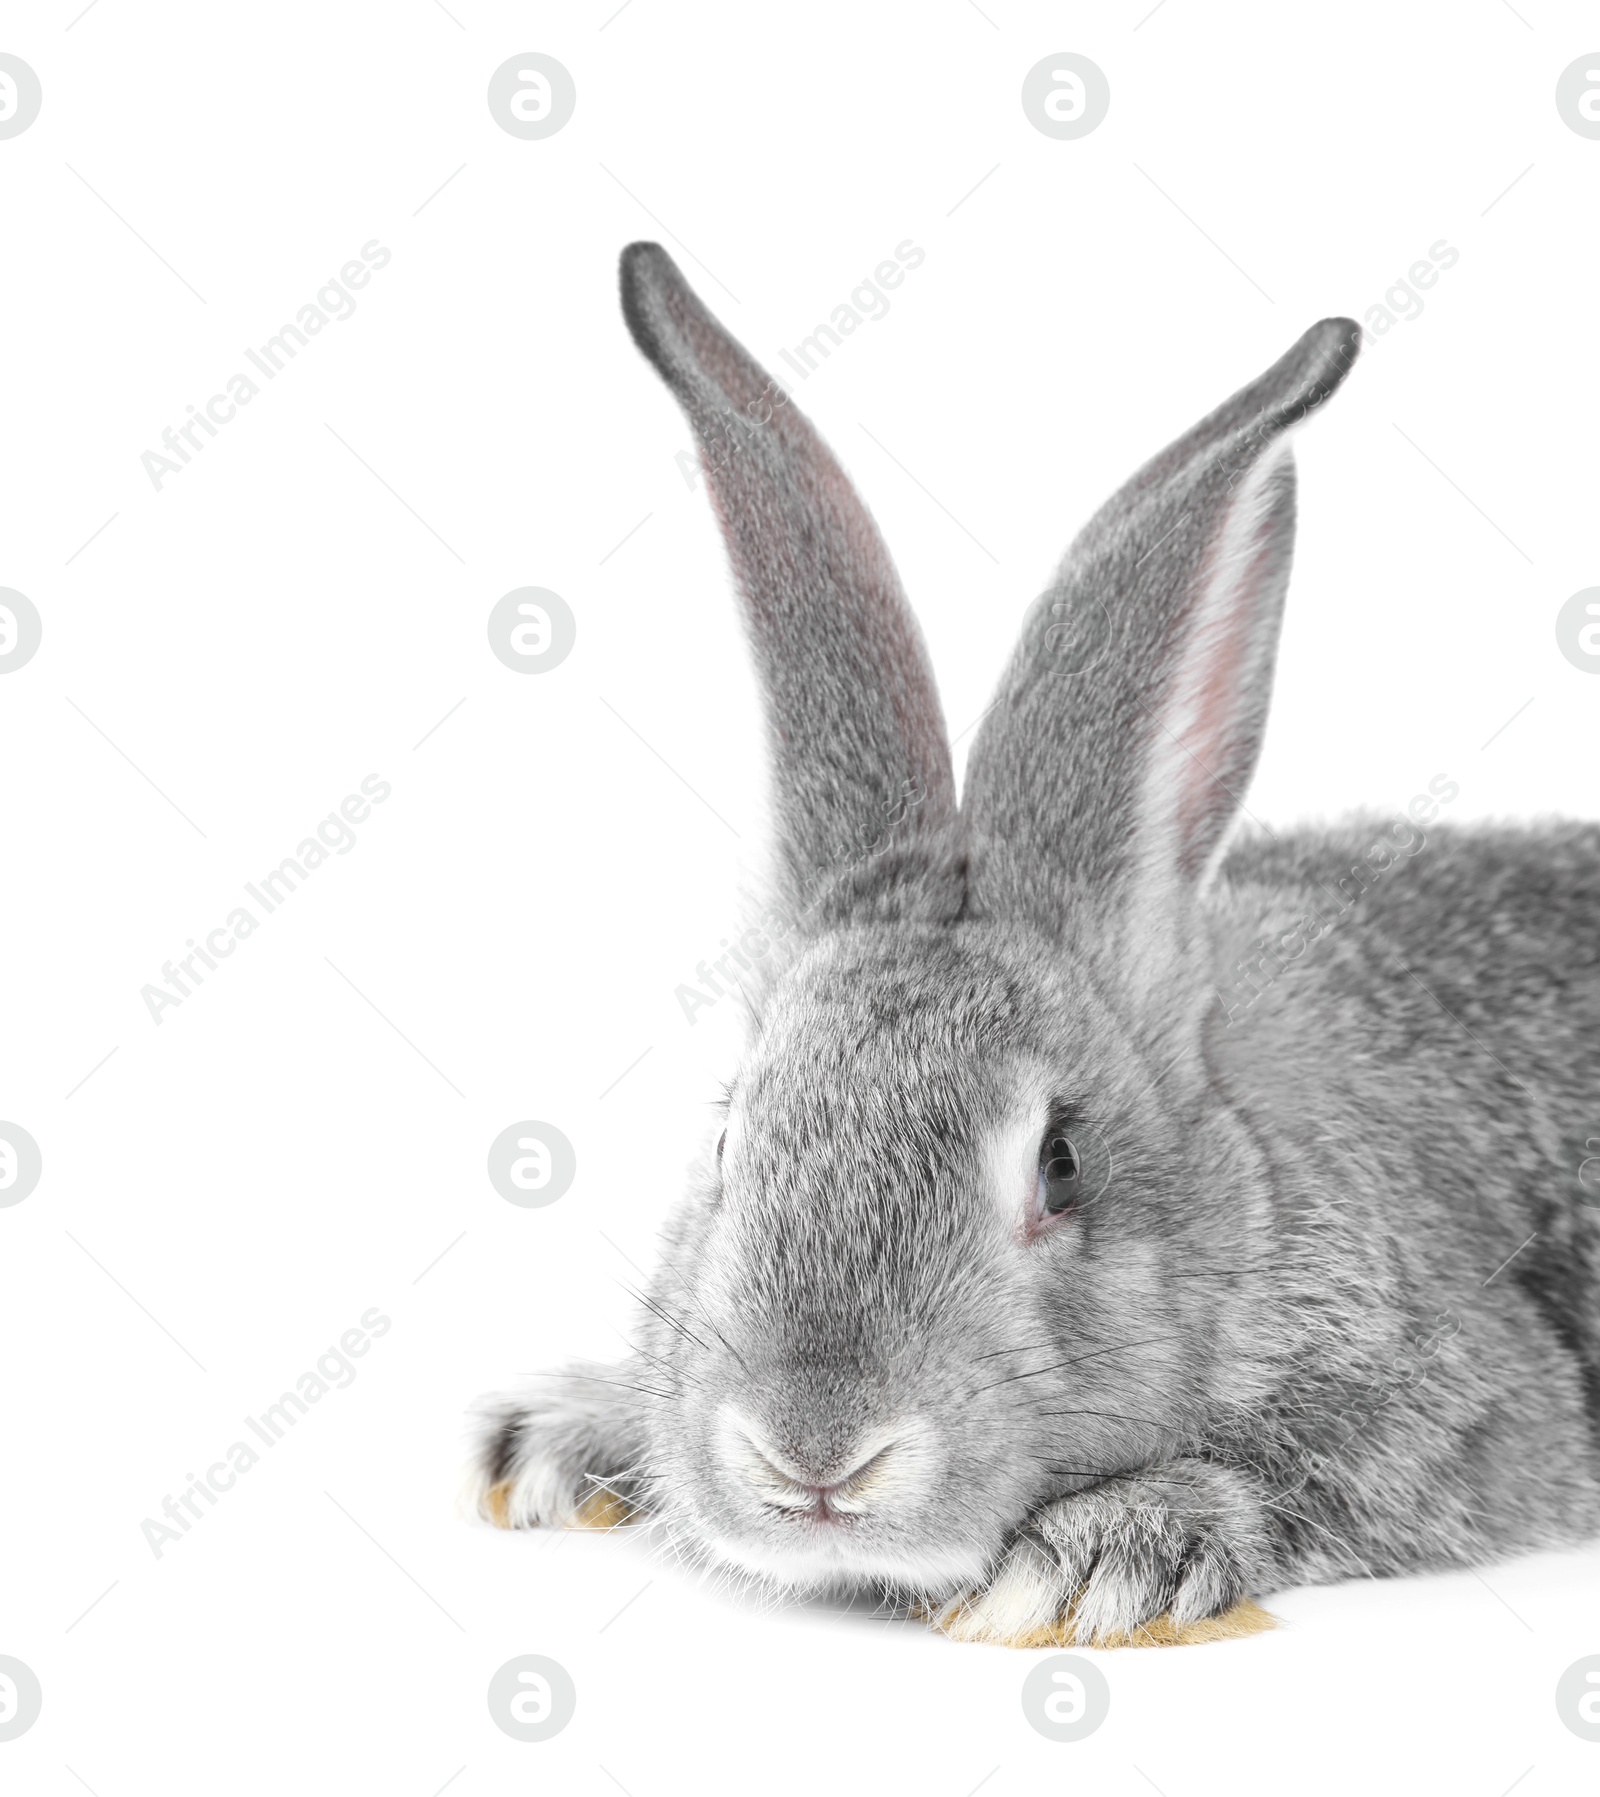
(1060, 1175)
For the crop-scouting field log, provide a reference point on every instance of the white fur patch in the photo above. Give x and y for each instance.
(1009, 1153)
(1027, 1593)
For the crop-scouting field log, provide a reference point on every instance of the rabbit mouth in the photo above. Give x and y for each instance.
(819, 1515)
(851, 1516)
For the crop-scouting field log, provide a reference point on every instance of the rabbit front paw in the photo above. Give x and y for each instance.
(1157, 1559)
(560, 1458)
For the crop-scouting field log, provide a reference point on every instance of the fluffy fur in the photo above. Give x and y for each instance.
(1328, 1302)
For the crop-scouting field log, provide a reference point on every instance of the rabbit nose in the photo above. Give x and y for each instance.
(795, 1483)
(809, 1491)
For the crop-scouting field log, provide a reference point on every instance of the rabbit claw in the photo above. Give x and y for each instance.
(536, 1464)
(1133, 1562)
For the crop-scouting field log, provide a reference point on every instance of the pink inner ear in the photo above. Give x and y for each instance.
(1224, 681)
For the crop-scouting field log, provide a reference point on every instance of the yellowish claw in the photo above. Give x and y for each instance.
(962, 1623)
(603, 1509)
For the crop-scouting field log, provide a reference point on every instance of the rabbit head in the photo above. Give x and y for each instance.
(936, 1264)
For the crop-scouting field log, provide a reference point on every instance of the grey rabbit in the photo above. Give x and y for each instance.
(1043, 1272)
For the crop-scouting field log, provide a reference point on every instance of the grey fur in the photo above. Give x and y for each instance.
(854, 713)
(1331, 1302)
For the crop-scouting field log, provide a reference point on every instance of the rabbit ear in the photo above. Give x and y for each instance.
(1129, 722)
(858, 736)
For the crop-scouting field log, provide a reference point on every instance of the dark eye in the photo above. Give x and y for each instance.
(1060, 1174)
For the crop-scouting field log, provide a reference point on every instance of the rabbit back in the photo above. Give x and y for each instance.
(1422, 1007)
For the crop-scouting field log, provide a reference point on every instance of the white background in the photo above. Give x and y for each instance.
(274, 624)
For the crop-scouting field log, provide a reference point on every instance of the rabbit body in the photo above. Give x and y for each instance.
(1116, 1216)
